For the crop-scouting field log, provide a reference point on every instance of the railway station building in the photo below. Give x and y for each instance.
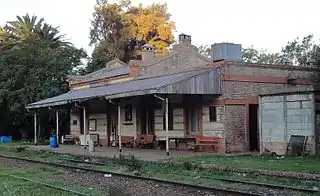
(248, 106)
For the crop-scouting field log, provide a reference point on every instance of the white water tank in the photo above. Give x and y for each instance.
(226, 51)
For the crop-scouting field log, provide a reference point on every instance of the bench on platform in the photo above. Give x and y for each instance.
(70, 139)
(126, 141)
(145, 141)
(206, 141)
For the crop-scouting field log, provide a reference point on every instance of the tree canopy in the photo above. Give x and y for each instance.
(115, 24)
(34, 63)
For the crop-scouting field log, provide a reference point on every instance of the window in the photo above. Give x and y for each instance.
(75, 122)
(92, 125)
(128, 113)
(213, 113)
(170, 119)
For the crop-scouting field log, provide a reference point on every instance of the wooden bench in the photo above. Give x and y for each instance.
(126, 141)
(146, 140)
(206, 141)
(70, 139)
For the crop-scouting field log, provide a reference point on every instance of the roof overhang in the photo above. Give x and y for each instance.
(205, 81)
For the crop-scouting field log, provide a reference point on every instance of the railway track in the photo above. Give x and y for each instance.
(198, 187)
(268, 185)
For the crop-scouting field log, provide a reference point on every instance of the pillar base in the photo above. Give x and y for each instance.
(36, 144)
(167, 153)
(120, 150)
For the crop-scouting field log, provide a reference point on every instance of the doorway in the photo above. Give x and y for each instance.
(112, 122)
(81, 121)
(147, 120)
(193, 115)
(254, 144)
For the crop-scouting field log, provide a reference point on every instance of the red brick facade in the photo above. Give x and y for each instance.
(242, 84)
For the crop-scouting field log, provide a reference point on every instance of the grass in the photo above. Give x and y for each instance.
(289, 164)
(15, 187)
(10, 186)
(186, 172)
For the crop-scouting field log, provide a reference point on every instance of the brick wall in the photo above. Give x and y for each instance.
(236, 136)
(239, 90)
(236, 115)
(181, 60)
(266, 70)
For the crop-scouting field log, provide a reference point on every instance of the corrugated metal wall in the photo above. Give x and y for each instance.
(285, 115)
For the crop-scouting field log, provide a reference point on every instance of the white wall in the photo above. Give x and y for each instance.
(178, 123)
(217, 128)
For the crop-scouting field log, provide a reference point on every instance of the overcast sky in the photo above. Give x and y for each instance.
(263, 23)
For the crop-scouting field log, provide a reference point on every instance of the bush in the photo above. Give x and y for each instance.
(187, 165)
(21, 148)
(134, 164)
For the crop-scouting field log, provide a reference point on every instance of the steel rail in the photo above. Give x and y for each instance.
(274, 186)
(44, 184)
(199, 187)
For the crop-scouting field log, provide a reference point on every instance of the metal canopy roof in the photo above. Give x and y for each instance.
(194, 82)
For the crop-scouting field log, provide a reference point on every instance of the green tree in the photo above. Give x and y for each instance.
(114, 25)
(26, 27)
(249, 54)
(34, 68)
(205, 50)
(301, 51)
(252, 55)
(98, 60)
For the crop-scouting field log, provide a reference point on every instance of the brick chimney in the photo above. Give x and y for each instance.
(134, 70)
(184, 38)
(147, 52)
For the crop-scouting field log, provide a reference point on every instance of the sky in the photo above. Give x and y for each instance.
(267, 24)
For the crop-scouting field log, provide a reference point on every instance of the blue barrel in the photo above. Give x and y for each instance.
(5, 139)
(53, 142)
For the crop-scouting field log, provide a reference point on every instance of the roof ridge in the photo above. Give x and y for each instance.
(174, 52)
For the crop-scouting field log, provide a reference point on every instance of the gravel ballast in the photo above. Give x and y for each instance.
(119, 186)
(124, 186)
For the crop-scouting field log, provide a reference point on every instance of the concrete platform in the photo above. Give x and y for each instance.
(143, 154)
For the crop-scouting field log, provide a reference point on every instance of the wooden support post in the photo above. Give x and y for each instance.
(57, 126)
(119, 126)
(167, 126)
(147, 120)
(84, 127)
(35, 128)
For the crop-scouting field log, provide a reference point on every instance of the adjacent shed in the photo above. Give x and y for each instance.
(286, 114)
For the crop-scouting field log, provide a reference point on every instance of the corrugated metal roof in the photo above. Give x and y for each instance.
(137, 87)
(104, 73)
